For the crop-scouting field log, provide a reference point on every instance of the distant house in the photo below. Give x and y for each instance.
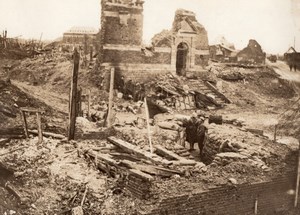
(222, 51)
(252, 54)
(80, 36)
(292, 57)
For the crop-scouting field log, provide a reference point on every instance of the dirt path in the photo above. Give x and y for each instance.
(55, 100)
(282, 69)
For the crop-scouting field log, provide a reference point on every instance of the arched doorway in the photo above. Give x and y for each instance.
(181, 58)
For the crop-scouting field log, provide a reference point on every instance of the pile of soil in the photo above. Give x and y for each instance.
(12, 99)
(268, 82)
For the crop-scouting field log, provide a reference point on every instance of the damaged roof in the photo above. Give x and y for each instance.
(82, 30)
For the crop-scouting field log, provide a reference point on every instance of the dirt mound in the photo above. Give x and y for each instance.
(12, 99)
(289, 123)
(16, 54)
(268, 82)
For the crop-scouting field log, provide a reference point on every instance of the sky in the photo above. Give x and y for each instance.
(273, 23)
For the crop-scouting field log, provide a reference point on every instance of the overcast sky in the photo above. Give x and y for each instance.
(273, 23)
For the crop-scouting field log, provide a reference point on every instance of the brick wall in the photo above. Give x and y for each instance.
(118, 56)
(130, 34)
(139, 187)
(272, 198)
(125, 26)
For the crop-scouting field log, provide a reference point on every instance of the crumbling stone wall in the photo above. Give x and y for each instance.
(186, 21)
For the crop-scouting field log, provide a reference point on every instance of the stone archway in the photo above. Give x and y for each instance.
(182, 58)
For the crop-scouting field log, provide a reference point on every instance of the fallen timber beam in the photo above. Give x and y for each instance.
(139, 173)
(179, 160)
(4, 141)
(206, 100)
(152, 170)
(107, 159)
(48, 134)
(104, 157)
(128, 147)
(16, 137)
(10, 188)
(216, 91)
(106, 163)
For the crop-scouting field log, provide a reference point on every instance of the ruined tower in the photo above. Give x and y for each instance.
(122, 22)
(121, 27)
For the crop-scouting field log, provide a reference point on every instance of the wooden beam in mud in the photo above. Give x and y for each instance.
(178, 159)
(128, 147)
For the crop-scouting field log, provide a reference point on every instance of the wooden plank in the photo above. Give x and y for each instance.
(39, 123)
(163, 88)
(104, 157)
(179, 160)
(12, 136)
(111, 96)
(73, 97)
(48, 134)
(148, 125)
(25, 124)
(4, 141)
(139, 173)
(138, 151)
(148, 169)
(110, 161)
(32, 110)
(217, 92)
(89, 104)
(165, 152)
(297, 180)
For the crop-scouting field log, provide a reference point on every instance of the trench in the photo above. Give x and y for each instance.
(7, 200)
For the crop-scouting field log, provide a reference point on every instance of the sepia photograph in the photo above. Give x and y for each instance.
(149, 107)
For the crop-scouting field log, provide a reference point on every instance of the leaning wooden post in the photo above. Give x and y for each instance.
(275, 133)
(256, 206)
(89, 104)
(39, 123)
(148, 125)
(79, 103)
(25, 124)
(298, 179)
(5, 39)
(111, 96)
(73, 95)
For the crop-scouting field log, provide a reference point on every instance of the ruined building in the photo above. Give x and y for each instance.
(292, 58)
(252, 54)
(80, 36)
(183, 49)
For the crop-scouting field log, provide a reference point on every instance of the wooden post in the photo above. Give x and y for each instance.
(297, 180)
(39, 123)
(89, 104)
(72, 110)
(256, 206)
(148, 125)
(111, 96)
(275, 133)
(91, 54)
(25, 124)
(5, 39)
(79, 103)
